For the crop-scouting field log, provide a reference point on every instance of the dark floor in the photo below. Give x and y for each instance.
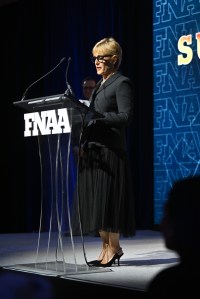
(61, 260)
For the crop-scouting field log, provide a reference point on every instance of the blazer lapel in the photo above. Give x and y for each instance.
(100, 87)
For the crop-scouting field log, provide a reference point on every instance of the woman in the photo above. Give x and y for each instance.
(106, 202)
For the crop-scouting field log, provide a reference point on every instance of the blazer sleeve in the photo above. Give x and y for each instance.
(125, 99)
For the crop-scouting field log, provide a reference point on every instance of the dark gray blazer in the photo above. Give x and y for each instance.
(114, 99)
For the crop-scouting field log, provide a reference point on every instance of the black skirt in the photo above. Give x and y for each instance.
(105, 198)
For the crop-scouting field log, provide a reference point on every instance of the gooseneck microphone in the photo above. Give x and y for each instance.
(26, 91)
(69, 92)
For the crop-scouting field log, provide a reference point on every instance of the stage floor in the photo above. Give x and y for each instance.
(63, 257)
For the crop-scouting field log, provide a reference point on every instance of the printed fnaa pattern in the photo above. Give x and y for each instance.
(176, 73)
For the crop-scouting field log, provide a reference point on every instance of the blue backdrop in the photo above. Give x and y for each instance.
(176, 74)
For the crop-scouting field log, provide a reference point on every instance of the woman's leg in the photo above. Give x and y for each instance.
(105, 239)
(112, 248)
(114, 242)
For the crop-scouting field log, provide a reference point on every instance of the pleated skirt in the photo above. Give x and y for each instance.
(105, 192)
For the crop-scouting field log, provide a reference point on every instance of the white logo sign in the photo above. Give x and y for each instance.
(46, 122)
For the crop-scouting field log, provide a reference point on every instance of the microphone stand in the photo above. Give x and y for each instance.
(26, 91)
(69, 92)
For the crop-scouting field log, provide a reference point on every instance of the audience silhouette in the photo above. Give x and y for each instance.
(181, 230)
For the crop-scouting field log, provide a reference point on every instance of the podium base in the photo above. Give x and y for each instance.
(56, 268)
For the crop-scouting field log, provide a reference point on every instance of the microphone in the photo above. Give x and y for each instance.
(69, 91)
(26, 91)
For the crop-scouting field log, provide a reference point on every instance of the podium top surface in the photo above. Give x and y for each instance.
(56, 102)
(51, 102)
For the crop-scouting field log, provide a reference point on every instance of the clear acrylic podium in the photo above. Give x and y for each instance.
(51, 120)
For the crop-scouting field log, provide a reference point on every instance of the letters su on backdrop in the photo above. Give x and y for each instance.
(184, 43)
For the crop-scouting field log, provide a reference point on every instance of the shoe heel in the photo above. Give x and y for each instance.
(119, 255)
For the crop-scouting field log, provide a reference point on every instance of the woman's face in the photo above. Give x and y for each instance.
(104, 64)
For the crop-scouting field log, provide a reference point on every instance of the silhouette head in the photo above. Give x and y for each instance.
(88, 84)
(181, 220)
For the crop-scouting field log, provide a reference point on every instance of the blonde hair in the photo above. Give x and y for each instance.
(109, 46)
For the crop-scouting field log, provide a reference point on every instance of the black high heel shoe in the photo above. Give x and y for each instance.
(116, 256)
(94, 263)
